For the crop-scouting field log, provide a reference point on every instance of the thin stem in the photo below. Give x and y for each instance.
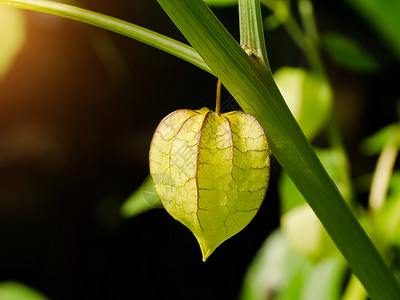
(334, 136)
(306, 10)
(382, 175)
(287, 21)
(218, 99)
(312, 51)
(311, 33)
(295, 32)
(133, 31)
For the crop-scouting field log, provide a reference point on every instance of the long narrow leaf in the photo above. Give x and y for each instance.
(136, 32)
(257, 93)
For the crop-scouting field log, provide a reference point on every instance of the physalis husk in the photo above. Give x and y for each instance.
(210, 172)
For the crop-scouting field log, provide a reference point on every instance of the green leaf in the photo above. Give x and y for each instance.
(142, 200)
(271, 22)
(17, 291)
(275, 272)
(210, 172)
(375, 143)
(306, 234)
(394, 186)
(336, 166)
(325, 280)
(388, 221)
(221, 2)
(308, 97)
(12, 37)
(303, 229)
(348, 54)
(279, 273)
(289, 195)
(133, 31)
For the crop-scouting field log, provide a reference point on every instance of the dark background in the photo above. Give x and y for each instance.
(77, 113)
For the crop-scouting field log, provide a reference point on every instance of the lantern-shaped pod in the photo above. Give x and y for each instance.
(210, 172)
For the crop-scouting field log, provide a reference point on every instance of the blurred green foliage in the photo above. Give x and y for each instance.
(280, 272)
(11, 290)
(308, 96)
(383, 17)
(348, 54)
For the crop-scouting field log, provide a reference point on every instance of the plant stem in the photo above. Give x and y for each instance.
(288, 21)
(311, 37)
(312, 51)
(295, 32)
(218, 99)
(133, 31)
(382, 174)
(306, 10)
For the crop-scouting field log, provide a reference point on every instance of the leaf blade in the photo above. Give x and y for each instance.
(13, 290)
(348, 54)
